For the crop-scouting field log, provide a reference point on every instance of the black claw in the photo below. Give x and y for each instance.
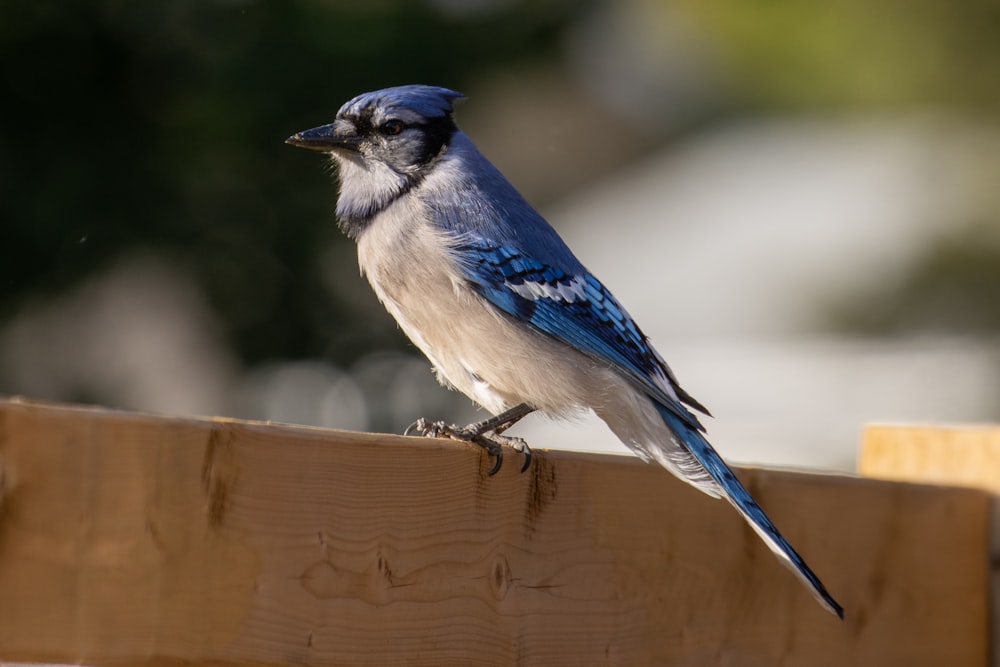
(493, 448)
(490, 440)
(497, 465)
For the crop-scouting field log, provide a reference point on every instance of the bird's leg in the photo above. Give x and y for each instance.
(501, 422)
(487, 433)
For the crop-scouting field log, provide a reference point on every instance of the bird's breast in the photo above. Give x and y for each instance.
(417, 278)
(486, 354)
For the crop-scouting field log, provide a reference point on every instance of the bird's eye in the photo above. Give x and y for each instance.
(391, 127)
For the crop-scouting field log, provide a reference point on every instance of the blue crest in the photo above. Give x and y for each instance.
(427, 101)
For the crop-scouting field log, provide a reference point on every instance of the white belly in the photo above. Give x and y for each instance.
(476, 349)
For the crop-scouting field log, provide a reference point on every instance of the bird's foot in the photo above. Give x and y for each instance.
(490, 440)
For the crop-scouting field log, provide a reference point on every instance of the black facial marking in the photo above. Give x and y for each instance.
(352, 226)
(363, 121)
(437, 134)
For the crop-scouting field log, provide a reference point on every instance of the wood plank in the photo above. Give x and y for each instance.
(128, 539)
(958, 455)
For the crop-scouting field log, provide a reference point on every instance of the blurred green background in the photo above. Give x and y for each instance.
(156, 226)
(160, 126)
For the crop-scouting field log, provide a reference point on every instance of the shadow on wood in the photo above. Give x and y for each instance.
(128, 538)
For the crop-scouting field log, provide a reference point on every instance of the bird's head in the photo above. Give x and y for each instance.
(404, 127)
(384, 142)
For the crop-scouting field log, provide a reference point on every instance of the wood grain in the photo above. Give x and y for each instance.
(128, 539)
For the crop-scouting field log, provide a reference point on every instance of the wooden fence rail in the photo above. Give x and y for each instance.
(134, 539)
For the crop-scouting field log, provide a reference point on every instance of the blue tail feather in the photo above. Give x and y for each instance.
(737, 494)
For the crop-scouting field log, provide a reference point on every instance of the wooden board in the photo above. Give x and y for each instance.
(964, 456)
(955, 455)
(132, 539)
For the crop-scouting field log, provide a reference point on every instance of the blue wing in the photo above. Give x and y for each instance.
(576, 309)
(581, 312)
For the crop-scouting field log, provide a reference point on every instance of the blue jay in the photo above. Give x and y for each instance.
(505, 312)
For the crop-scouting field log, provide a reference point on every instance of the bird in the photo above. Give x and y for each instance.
(485, 287)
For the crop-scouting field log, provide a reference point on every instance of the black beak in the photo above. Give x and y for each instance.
(336, 135)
